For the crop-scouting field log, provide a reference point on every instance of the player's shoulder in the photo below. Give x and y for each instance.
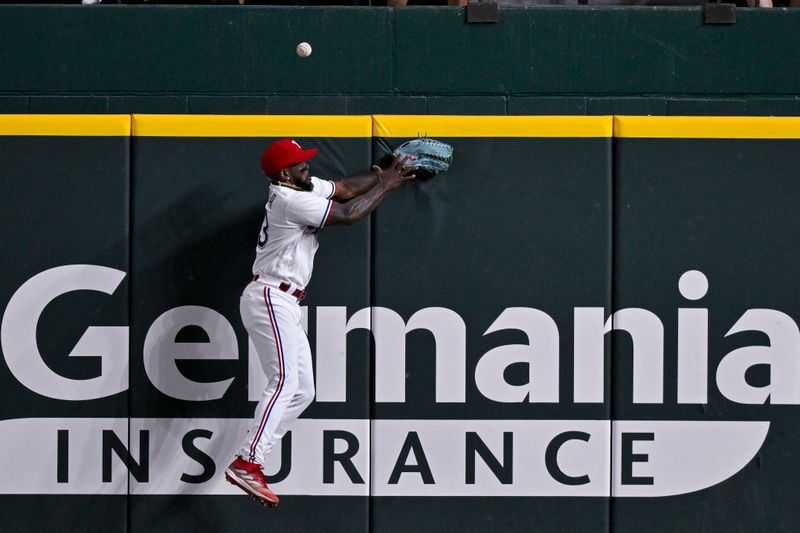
(319, 183)
(323, 188)
(299, 201)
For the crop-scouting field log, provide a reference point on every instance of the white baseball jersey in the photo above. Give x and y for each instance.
(288, 239)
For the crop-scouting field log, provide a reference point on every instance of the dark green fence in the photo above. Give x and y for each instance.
(417, 60)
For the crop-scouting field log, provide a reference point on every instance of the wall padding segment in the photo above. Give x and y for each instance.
(198, 207)
(705, 226)
(491, 259)
(64, 186)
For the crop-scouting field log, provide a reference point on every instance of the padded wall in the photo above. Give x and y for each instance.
(484, 260)
(198, 209)
(588, 323)
(705, 231)
(64, 185)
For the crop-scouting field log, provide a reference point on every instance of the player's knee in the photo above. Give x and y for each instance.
(305, 392)
(305, 399)
(290, 386)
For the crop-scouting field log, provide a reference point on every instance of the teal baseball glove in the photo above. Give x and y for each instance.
(426, 154)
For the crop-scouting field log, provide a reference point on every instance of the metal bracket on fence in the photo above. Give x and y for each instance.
(718, 13)
(480, 11)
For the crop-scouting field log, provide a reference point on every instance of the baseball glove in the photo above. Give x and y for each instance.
(426, 154)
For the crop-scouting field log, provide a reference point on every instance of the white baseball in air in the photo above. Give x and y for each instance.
(303, 49)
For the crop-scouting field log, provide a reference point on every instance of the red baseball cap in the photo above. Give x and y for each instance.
(283, 153)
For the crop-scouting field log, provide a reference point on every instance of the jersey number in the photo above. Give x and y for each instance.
(263, 236)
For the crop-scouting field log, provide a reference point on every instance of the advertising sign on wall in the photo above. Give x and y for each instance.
(586, 324)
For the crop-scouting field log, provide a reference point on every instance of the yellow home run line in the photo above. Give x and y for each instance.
(491, 126)
(66, 125)
(707, 127)
(402, 126)
(252, 126)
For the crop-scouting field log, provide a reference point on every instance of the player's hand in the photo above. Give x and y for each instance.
(396, 173)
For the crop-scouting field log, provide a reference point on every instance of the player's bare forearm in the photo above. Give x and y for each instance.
(387, 179)
(355, 185)
(360, 206)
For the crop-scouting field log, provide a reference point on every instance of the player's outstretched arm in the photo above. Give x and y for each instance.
(385, 181)
(355, 185)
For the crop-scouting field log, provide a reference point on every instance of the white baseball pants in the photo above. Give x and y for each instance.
(273, 321)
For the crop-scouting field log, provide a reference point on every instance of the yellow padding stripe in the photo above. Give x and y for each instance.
(491, 126)
(251, 126)
(66, 125)
(400, 126)
(708, 127)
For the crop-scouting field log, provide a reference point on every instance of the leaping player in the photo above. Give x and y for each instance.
(298, 206)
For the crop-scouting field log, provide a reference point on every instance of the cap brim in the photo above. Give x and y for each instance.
(304, 156)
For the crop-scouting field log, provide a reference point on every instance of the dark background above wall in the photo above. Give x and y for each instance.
(415, 60)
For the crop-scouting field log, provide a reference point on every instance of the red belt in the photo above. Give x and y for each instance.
(297, 293)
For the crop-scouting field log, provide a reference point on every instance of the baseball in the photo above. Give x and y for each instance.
(303, 49)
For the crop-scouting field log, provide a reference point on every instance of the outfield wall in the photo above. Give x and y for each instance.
(587, 324)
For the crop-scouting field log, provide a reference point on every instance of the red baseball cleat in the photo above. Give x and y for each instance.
(250, 478)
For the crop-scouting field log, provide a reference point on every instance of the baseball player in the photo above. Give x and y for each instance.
(298, 206)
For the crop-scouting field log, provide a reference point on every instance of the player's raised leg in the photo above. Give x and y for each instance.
(304, 394)
(272, 320)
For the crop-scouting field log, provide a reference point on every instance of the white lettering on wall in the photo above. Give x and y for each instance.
(109, 343)
(161, 351)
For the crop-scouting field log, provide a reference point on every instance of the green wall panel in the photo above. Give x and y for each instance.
(626, 105)
(228, 105)
(466, 105)
(148, 104)
(593, 50)
(307, 105)
(197, 49)
(197, 210)
(389, 105)
(250, 50)
(528, 228)
(68, 104)
(719, 206)
(547, 105)
(706, 106)
(13, 104)
(785, 106)
(64, 284)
